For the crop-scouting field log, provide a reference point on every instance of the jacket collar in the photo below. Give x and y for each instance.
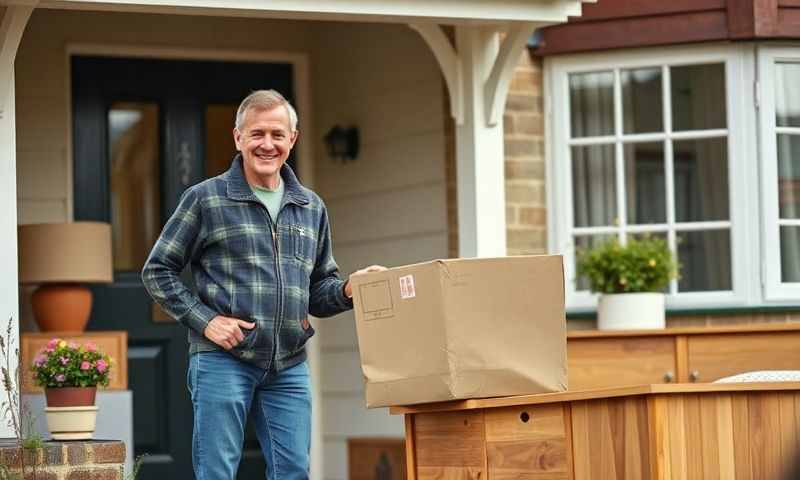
(239, 189)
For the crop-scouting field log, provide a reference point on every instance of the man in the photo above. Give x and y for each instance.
(260, 249)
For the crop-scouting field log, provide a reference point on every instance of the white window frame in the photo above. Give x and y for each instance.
(743, 192)
(775, 290)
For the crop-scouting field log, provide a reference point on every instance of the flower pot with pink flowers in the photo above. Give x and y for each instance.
(70, 374)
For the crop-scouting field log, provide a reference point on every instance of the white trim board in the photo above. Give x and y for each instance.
(406, 11)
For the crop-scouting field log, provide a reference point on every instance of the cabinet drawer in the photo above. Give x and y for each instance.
(607, 362)
(715, 356)
(527, 442)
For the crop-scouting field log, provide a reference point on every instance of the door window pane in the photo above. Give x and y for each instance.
(789, 175)
(220, 147)
(593, 180)
(592, 104)
(642, 110)
(701, 179)
(787, 94)
(698, 97)
(133, 144)
(790, 254)
(705, 258)
(645, 189)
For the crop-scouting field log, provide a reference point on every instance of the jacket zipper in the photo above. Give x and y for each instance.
(279, 308)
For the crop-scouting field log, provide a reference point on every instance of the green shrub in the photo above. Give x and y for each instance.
(645, 265)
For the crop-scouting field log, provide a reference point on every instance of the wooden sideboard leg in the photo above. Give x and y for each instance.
(411, 463)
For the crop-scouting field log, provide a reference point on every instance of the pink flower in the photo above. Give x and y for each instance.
(64, 360)
(102, 366)
(85, 365)
(73, 345)
(50, 349)
(53, 343)
(39, 360)
(60, 377)
(91, 347)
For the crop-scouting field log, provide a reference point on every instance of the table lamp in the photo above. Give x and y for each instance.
(61, 258)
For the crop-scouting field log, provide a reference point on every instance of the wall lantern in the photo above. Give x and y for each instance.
(342, 143)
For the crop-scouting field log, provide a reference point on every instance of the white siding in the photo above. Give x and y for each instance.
(387, 207)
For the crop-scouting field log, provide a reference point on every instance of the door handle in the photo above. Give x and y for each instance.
(694, 376)
(669, 377)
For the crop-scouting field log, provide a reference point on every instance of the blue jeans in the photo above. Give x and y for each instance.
(223, 390)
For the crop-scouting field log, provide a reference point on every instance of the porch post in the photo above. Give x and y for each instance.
(13, 22)
(478, 71)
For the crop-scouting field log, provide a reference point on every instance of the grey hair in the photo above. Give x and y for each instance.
(265, 100)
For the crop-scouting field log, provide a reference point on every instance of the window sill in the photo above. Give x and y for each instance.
(688, 312)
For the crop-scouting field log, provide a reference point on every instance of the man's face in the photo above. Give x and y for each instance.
(265, 140)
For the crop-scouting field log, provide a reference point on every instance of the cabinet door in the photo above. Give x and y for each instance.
(610, 362)
(715, 356)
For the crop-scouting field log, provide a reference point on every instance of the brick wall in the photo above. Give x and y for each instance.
(91, 460)
(526, 209)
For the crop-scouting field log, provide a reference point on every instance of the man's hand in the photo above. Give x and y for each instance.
(226, 331)
(348, 289)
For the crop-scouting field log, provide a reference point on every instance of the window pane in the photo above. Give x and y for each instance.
(220, 147)
(135, 192)
(645, 190)
(593, 180)
(787, 94)
(642, 100)
(789, 175)
(698, 97)
(790, 254)
(591, 98)
(586, 242)
(705, 259)
(701, 179)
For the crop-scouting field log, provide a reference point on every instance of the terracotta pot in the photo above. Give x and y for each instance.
(70, 396)
(63, 307)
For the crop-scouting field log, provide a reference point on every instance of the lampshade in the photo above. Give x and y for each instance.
(65, 252)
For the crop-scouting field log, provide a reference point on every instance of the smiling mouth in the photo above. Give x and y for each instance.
(267, 158)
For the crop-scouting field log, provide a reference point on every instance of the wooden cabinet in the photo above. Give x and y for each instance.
(616, 358)
(602, 362)
(646, 432)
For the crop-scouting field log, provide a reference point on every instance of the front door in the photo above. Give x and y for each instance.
(143, 131)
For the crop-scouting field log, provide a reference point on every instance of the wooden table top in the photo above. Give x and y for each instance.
(716, 330)
(570, 396)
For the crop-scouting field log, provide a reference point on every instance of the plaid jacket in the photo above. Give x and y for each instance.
(247, 266)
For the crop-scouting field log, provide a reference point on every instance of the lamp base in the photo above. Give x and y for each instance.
(62, 307)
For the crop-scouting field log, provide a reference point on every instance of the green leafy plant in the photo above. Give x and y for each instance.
(645, 265)
(63, 364)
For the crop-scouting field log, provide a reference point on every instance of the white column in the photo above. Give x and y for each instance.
(478, 73)
(479, 152)
(11, 28)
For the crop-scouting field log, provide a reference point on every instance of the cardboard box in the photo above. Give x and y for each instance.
(466, 328)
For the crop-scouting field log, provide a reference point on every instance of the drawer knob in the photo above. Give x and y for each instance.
(524, 417)
(669, 377)
(694, 376)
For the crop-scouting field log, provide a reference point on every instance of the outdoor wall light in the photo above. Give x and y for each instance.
(342, 143)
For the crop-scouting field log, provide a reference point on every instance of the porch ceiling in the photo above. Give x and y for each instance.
(541, 12)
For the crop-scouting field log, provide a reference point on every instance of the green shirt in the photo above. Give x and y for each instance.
(270, 198)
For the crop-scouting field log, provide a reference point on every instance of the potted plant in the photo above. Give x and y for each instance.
(630, 279)
(70, 374)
